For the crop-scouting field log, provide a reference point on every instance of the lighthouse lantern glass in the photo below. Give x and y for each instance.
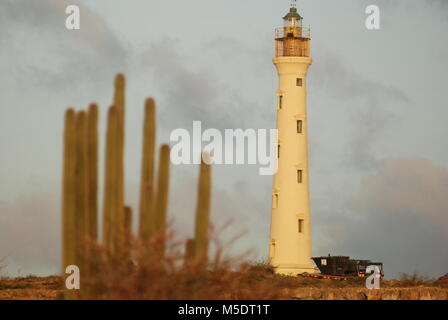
(293, 22)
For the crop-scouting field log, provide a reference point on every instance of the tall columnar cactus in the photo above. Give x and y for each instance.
(128, 233)
(79, 196)
(119, 102)
(92, 171)
(81, 190)
(202, 214)
(147, 171)
(161, 205)
(111, 180)
(68, 195)
(69, 234)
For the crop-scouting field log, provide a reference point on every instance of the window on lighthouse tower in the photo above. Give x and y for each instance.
(275, 201)
(299, 126)
(299, 176)
(301, 223)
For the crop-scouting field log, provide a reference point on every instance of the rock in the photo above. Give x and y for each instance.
(390, 294)
(329, 295)
(374, 294)
(417, 293)
(413, 294)
(316, 294)
(425, 294)
(301, 294)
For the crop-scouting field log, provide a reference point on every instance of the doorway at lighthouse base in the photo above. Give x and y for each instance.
(284, 266)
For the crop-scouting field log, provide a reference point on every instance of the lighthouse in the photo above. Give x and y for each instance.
(290, 236)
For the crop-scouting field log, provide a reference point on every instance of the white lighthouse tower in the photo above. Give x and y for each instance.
(290, 240)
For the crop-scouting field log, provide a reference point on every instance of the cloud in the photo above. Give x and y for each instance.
(412, 186)
(217, 81)
(399, 216)
(38, 50)
(367, 106)
(337, 80)
(187, 92)
(30, 235)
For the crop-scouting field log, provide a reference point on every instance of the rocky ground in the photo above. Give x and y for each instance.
(410, 293)
(50, 288)
(31, 288)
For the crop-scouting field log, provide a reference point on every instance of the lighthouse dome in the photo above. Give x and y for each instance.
(292, 14)
(293, 18)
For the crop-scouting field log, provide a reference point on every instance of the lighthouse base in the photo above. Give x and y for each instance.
(295, 269)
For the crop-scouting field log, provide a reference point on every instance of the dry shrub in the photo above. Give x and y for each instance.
(148, 274)
(140, 273)
(158, 270)
(413, 280)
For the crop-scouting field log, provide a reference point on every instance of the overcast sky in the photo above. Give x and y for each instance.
(377, 116)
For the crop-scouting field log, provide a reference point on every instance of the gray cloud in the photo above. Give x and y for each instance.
(57, 58)
(337, 80)
(192, 93)
(368, 105)
(398, 216)
(413, 186)
(30, 234)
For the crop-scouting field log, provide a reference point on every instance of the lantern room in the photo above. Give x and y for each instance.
(293, 19)
(292, 40)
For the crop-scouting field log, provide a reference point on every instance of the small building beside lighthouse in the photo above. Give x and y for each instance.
(290, 234)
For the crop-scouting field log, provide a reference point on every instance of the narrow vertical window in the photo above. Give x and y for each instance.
(275, 201)
(299, 126)
(278, 151)
(299, 176)
(280, 102)
(299, 82)
(272, 251)
(301, 225)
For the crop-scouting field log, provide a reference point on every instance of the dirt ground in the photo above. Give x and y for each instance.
(31, 288)
(50, 288)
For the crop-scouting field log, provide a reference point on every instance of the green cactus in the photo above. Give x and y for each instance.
(147, 174)
(202, 214)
